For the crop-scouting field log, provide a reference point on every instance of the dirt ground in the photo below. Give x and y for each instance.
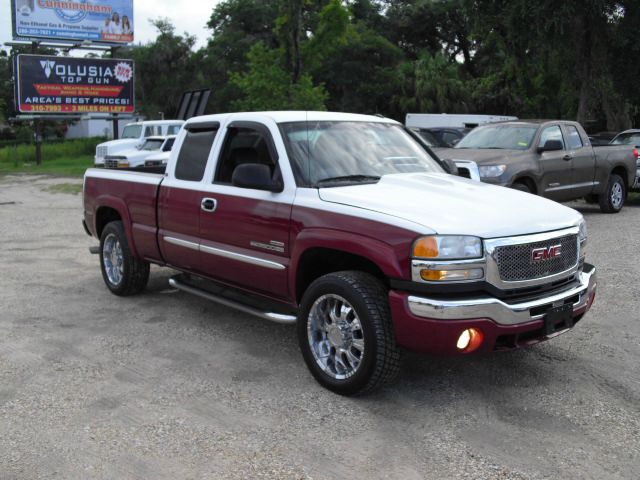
(165, 385)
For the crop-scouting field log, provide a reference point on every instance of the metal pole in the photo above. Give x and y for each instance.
(38, 131)
(115, 115)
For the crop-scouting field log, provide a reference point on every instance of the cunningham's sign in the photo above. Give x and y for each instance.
(103, 21)
(48, 84)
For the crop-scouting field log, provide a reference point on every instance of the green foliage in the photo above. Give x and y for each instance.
(268, 86)
(67, 158)
(571, 59)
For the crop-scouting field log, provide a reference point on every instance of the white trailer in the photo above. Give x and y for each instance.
(434, 120)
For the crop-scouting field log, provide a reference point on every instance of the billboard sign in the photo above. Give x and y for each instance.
(49, 84)
(100, 21)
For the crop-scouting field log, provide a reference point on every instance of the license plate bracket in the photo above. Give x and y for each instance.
(558, 318)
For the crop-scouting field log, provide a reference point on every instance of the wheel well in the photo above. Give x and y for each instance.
(531, 185)
(622, 173)
(105, 215)
(317, 262)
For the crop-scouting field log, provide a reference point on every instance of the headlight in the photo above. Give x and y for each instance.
(582, 238)
(447, 247)
(487, 171)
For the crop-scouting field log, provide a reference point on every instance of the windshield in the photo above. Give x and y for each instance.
(153, 144)
(428, 137)
(632, 138)
(334, 153)
(508, 137)
(132, 131)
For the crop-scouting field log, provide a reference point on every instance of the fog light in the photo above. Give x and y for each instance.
(470, 340)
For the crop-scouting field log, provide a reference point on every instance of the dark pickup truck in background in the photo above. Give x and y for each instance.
(554, 159)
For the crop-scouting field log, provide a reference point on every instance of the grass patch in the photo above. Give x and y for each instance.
(634, 198)
(70, 188)
(70, 158)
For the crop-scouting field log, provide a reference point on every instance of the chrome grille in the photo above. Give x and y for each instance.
(110, 163)
(515, 261)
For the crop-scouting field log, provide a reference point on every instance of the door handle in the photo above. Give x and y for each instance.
(567, 157)
(209, 204)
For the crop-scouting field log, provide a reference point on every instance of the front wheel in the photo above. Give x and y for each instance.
(123, 273)
(345, 333)
(612, 199)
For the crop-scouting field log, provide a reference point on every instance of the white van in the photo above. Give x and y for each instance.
(134, 135)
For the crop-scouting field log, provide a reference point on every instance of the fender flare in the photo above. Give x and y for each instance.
(119, 206)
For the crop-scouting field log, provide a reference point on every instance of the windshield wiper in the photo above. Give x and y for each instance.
(350, 178)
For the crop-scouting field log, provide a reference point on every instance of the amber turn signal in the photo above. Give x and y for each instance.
(426, 247)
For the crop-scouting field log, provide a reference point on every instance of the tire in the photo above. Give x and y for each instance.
(123, 273)
(522, 187)
(612, 199)
(360, 343)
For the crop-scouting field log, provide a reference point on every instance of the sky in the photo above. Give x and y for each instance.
(190, 16)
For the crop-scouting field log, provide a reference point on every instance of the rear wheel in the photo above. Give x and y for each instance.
(123, 273)
(612, 199)
(345, 333)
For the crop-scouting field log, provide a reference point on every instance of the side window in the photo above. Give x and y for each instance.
(194, 152)
(243, 145)
(573, 137)
(148, 131)
(551, 133)
(173, 129)
(450, 138)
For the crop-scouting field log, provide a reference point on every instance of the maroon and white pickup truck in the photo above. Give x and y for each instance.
(346, 226)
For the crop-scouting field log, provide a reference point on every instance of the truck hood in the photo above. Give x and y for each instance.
(452, 205)
(119, 145)
(486, 156)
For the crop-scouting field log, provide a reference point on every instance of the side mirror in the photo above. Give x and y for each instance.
(551, 146)
(256, 176)
(455, 141)
(451, 166)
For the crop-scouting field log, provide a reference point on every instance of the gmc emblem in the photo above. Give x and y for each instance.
(545, 253)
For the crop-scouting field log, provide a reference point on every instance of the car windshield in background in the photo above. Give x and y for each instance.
(507, 137)
(627, 139)
(428, 137)
(327, 154)
(131, 131)
(154, 144)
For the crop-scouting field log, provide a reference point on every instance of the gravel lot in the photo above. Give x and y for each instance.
(165, 385)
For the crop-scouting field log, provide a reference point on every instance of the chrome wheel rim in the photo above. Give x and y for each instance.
(616, 195)
(113, 259)
(335, 336)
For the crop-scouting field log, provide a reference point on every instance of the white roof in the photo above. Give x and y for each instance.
(157, 122)
(293, 116)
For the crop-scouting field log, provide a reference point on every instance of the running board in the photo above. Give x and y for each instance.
(271, 316)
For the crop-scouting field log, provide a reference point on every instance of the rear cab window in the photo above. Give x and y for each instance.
(194, 151)
(574, 141)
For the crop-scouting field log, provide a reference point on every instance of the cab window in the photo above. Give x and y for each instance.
(573, 137)
(243, 145)
(194, 152)
(551, 133)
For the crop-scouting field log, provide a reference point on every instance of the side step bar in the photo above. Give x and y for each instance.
(272, 316)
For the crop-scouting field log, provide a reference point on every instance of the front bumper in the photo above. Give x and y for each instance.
(434, 325)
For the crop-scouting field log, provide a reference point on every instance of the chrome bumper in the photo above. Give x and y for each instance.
(501, 312)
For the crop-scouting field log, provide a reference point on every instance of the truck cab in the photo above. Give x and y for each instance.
(134, 135)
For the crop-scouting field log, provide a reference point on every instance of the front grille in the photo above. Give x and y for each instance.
(102, 151)
(110, 163)
(515, 261)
